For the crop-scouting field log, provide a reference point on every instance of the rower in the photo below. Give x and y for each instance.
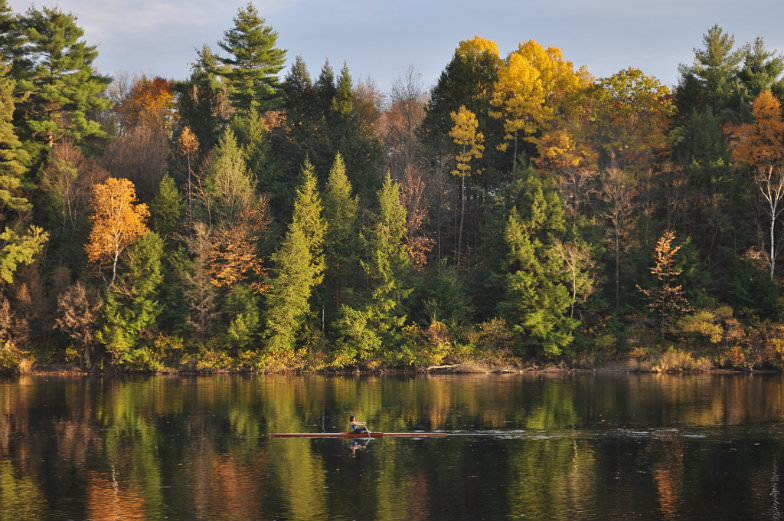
(358, 427)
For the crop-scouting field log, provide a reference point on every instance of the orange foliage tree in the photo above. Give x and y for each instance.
(149, 103)
(117, 222)
(760, 145)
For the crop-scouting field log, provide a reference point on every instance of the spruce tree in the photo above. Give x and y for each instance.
(340, 245)
(538, 295)
(251, 69)
(166, 209)
(131, 306)
(299, 266)
(377, 322)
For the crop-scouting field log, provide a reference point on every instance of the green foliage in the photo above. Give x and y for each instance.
(340, 242)
(253, 63)
(377, 321)
(131, 307)
(243, 305)
(320, 122)
(19, 248)
(298, 268)
(229, 189)
(537, 292)
(166, 210)
(711, 81)
(202, 101)
(61, 88)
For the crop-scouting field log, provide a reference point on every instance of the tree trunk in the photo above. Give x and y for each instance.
(462, 217)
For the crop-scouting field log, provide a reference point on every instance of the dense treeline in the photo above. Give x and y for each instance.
(249, 217)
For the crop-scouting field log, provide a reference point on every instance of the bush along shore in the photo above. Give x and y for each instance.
(519, 214)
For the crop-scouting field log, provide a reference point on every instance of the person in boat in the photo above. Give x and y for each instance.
(357, 427)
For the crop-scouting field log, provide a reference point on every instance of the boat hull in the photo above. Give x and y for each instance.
(358, 434)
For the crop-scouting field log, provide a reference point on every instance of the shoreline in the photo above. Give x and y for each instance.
(466, 368)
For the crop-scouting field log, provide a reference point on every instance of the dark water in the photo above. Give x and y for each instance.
(587, 447)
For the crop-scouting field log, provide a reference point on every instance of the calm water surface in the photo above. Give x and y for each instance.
(534, 447)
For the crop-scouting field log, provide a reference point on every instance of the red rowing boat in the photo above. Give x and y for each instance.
(357, 434)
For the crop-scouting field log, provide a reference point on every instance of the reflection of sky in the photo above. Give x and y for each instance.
(380, 40)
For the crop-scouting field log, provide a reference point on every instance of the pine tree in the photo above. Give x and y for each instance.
(61, 88)
(251, 69)
(712, 80)
(17, 246)
(299, 269)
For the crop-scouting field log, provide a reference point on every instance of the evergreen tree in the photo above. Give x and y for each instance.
(251, 69)
(166, 209)
(340, 245)
(712, 80)
(538, 294)
(131, 306)
(202, 101)
(62, 91)
(17, 246)
(229, 190)
(761, 71)
(377, 322)
(299, 269)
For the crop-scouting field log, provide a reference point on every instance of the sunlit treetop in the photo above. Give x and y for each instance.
(476, 46)
(761, 142)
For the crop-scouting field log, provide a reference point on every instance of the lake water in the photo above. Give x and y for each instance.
(519, 447)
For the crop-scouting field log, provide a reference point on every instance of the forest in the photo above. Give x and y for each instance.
(252, 217)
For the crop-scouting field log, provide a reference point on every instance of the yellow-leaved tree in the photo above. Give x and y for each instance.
(464, 134)
(760, 145)
(117, 219)
(531, 85)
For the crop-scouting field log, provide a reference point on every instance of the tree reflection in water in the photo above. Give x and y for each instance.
(610, 447)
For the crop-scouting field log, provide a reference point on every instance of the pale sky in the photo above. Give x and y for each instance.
(380, 41)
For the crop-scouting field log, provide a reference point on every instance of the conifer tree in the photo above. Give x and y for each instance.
(667, 299)
(712, 80)
(340, 212)
(228, 189)
(16, 245)
(251, 69)
(298, 269)
(61, 88)
(378, 321)
(538, 293)
(202, 101)
(131, 306)
(166, 209)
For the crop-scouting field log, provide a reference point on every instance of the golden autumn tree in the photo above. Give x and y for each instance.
(667, 299)
(118, 220)
(530, 87)
(760, 145)
(464, 134)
